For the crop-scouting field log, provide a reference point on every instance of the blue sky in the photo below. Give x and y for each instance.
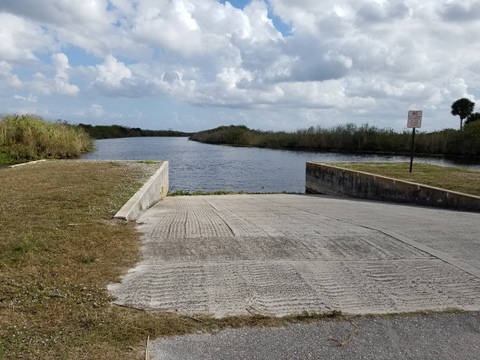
(272, 65)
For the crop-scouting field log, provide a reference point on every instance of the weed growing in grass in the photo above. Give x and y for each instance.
(181, 193)
(31, 244)
(87, 259)
(148, 162)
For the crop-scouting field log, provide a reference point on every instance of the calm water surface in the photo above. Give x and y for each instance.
(196, 166)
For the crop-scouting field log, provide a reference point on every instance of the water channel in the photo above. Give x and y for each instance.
(196, 166)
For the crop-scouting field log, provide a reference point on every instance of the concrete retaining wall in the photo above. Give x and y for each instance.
(155, 189)
(326, 179)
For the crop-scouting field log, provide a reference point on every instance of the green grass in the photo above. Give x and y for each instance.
(218, 192)
(148, 162)
(200, 192)
(29, 137)
(451, 178)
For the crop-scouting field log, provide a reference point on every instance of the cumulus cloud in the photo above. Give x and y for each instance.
(21, 39)
(461, 11)
(354, 59)
(58, 83)
(7, 78)
(111, 73)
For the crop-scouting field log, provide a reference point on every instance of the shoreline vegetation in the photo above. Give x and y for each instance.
(350, 138)
(29, 137)
(118, 131)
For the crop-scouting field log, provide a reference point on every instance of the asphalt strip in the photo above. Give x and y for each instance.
(435, 337)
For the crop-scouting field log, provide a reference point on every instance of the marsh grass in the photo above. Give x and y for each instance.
(29, 137)
(350, 138)
(451, 178)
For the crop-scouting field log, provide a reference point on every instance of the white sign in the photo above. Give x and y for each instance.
(414, 119)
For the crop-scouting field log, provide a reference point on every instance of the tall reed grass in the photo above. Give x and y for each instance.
(29, 137)
(350, 138)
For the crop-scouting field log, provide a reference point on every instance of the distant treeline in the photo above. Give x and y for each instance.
(117, 131)
(350, 138)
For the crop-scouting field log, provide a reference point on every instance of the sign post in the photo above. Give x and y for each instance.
(414, 122)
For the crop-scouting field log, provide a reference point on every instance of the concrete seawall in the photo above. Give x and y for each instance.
(332, 180)
(155, 189)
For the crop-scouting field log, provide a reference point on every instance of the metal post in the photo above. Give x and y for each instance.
(413, 149)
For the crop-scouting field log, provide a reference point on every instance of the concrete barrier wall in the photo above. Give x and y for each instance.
(332, 180)
(155, 189)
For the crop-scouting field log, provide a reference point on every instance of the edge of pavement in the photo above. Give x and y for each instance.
(154, 190)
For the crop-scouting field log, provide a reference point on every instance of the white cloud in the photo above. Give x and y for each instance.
(7, 78)
(20, 39)
(352, 60)
(97, 110)
(31, 98)
(58, 83)
(112, 73)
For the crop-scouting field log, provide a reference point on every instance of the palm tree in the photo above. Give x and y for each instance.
(463, 108)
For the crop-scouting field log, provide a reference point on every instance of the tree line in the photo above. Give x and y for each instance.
(364, 138)
(118, 131)
(350, 138)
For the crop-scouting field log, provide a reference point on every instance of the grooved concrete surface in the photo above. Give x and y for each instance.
(283, 254)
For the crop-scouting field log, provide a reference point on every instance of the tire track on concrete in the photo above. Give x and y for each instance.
(412, 243)
(283, 288)
(242, 254)
(241, 224)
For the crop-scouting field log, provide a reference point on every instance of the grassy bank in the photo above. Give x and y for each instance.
(29, 137)
(59, 249)
(445, 177)
(350, 138)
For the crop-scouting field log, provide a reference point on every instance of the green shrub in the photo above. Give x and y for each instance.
(351, 138)
(29, 137)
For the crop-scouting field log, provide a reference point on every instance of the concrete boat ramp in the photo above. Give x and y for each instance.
(282, 254)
